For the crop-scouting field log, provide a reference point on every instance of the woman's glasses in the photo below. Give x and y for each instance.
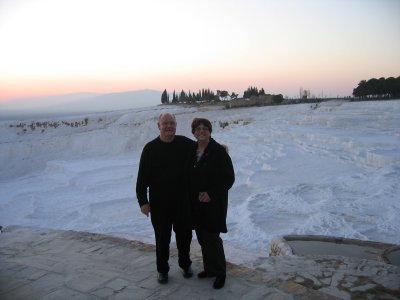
(201, 128)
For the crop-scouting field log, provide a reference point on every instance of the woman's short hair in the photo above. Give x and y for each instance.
(201, 121)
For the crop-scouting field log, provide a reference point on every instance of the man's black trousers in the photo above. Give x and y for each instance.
(163, 226)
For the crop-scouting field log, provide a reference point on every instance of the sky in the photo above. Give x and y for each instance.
(52, 47)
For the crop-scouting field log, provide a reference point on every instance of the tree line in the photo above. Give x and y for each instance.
(382, 88)
(204, 95)
(207, 95)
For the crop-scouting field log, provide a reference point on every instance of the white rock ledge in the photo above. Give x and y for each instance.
(306, 245)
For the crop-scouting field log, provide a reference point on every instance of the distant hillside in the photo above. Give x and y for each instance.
(81, 102)
(115, 101)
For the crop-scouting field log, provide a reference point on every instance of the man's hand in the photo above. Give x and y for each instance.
(203, 197)
(145, 209)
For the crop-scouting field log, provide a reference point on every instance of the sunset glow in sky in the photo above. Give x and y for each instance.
(50, 47)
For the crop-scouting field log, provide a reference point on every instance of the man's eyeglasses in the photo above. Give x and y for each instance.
(172, 123)
(201, 128)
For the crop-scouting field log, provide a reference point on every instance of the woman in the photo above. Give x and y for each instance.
(211, 176)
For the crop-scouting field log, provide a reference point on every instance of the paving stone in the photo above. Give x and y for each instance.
(30, 273)
(139, 275)
(68, 294)
(7, 284)
(117, 284)
(40, 262)
(49, 282)
(236, 287)
(274, 296)
(135, 293)
(129, 295)
(10, 268)
(258, 292)
(87, 282)
(48, 264)
(26, 291)
(103, 292)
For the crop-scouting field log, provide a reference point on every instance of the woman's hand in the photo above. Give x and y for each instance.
(203, 197)
(145, 209)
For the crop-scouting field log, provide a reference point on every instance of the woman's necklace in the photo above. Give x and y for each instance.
(199, 154)
(200, 151)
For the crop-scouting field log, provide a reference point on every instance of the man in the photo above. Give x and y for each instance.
(161, 173)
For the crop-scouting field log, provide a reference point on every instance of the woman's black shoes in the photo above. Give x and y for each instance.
(219, 282)
(188, 272)
(202, 274)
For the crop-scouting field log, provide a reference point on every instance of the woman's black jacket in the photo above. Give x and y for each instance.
(213, 174)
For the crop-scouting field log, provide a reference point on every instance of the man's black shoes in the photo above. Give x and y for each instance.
(162, 278)
(219, 282)
(188, 272)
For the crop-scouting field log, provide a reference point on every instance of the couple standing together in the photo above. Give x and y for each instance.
(184, 185)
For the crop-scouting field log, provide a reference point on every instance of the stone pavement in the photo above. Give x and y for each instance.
(52, 264)
(55, 264)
